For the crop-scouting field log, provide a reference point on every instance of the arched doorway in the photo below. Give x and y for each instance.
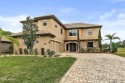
(72, 47)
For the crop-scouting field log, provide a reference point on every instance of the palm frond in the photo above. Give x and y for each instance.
(11, 39)
(108, 36)
(116, 38)
(113, 34)
(106, 39)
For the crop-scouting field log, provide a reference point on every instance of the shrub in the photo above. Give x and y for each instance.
(90, 49)
(20, 51)
(42, 51)
(83, 50)
(25, 51)
(36, 51)
(11, 49)
(50, 53)
(56, 55)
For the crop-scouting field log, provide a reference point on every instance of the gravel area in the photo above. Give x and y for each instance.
(95, 68)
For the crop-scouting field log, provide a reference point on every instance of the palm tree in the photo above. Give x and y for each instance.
(111, 37)
(6, 35)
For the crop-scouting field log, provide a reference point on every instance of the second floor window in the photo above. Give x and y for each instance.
(72, 32)
(55, 26)
(90, 31)
(61, 31)
(44, 23)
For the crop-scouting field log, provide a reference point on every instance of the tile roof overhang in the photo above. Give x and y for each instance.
(39, 33)
(81, 26)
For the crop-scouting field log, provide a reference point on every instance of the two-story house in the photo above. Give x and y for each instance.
(59, 37)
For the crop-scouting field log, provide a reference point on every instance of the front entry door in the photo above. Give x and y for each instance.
(73, 47)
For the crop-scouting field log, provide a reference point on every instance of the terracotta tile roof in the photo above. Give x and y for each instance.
(81, 25)
(41, 32)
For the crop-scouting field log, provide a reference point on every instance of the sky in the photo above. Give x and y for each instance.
(109, 13)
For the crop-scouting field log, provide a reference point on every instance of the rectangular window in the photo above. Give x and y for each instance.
(56, 26)
(72, 32)
(89, 31)
(90, 44)
(61, 31)
(44, 23)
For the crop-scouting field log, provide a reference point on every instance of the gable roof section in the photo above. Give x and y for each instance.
(81, 25)
(41, 33)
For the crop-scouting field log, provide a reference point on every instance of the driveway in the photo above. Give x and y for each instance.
(95, 68)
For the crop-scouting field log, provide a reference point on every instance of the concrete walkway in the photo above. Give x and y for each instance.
(95, 68)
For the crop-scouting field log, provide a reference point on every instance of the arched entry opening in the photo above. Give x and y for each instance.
(72, 47)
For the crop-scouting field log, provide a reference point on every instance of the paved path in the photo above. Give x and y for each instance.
(96, 68)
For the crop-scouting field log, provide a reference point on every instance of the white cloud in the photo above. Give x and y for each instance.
(12, 23)
(121, 16)
(107, 15)
(115, 25)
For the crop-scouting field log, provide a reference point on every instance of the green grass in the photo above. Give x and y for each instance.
(20, 69)
(120, 54)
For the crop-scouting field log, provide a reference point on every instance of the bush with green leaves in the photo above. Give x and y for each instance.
(42, 51)
(25, 51)
(50, 53)
(82, 50)
(20, 50)
(11, 49)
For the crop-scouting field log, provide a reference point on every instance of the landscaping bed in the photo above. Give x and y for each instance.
(20, 69)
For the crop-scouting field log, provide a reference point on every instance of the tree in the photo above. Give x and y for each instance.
(6, 35)
(29, 34)
(111, 37)
(123, 45)
(99, 40)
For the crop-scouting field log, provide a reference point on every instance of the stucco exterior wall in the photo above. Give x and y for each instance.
(83, 34)
(42, 42)
(54, 28)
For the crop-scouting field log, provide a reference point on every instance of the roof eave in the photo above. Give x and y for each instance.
(85, 27)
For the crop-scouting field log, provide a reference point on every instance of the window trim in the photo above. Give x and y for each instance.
(89, 45)
(55, 26)
(43, 23)
(90, 31)
(74, 32)
(61, 31)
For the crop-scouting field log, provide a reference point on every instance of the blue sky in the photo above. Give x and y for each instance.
(109, 13)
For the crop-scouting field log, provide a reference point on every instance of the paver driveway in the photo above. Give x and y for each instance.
(96, 68)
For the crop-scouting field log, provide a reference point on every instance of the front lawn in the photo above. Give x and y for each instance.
(120, 54)
(20, 69)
